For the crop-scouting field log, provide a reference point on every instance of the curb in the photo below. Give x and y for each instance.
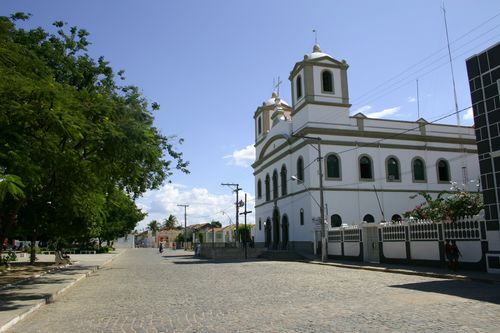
(405, 272)
(51, 298)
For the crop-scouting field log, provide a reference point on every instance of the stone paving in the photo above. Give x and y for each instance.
(141, 291)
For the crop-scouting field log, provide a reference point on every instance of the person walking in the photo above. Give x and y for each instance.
(455, 252)
(449, 253)
(161, 247)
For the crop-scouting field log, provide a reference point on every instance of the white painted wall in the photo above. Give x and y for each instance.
(394, 250)
(424, 250)
(352, 249)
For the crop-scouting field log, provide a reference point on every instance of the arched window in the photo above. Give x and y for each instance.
(300, 169)
(392, 166)
(327, 81)
(443, 171)
(260, 224)
(302, 216)
(298, 83)
(275, 184)
(284, 180)
(333, 166)
(418, 169)
(335, 221)
(365, 168)
(368, 218)
(268, 188)
(259, 189)
(396, 218)
(259, 125)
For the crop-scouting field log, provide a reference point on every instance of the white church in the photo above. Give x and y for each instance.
(371, 168)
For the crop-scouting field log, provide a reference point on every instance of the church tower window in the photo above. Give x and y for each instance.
(298, 84)
(302, 216)
(275, 184)
(259, 125)
(327, 81)
(268, 188)
(300, 169)
(259, 189)
(284, 180)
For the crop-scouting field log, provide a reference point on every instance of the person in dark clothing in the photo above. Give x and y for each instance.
(449, 254)
(455, 252)
(161, 248)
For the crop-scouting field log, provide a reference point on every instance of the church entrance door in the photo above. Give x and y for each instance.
(276, 228)
(284, 226)
(267, 230)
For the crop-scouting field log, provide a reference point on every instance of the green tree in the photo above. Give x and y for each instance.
(154, 226)
(170, 222)
(215, 224)
(71, 134)
(244, 232)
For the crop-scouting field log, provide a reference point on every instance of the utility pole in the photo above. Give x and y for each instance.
(321, 195)
(185, 225)
(246, 212)
(237, 189)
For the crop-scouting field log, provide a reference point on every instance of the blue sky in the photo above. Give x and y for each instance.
(211, 63)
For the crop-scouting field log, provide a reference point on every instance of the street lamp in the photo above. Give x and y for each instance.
(321, 197)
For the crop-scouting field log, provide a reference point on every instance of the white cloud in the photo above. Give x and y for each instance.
(363, 109)
(242, 157)
(384, 113)
(203, 205)
(412, 99)
(468, 115)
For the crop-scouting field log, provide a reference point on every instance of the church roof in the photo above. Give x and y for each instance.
(316, 53)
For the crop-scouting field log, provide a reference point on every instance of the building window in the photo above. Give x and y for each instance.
(284, 180)
(268, 188)
(300, 169)
(418, 169)
(443, 171)
(302, 216)
(260, 224)
(298, 83)
(259, 189)
(327, 81)
(396, 218)
(335, 221)
(368, 218)
(365, 168)
(392, 166)
(259, 125)
(275, 184)
(333, 166)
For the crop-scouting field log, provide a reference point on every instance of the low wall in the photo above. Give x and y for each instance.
(413, 242)
(229, 253)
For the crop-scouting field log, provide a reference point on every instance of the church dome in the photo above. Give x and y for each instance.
(316, 53)
(271, 101)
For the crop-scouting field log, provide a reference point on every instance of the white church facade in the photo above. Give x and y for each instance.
(372, 168)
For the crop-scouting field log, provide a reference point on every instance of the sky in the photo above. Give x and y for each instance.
(210, 64)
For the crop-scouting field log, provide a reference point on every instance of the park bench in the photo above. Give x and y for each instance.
(61, 258)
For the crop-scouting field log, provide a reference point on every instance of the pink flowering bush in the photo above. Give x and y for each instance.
(447, 206)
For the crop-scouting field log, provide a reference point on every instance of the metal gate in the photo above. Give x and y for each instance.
(370, 243)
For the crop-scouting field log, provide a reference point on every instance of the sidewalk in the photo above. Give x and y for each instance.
(20, 299)
(434, 272)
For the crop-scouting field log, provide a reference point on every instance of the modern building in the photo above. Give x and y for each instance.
(371, 168)
(483, 70)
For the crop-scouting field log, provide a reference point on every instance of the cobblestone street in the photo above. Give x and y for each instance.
(144, 292)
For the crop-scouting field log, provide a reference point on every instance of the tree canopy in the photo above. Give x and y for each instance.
(77, 148)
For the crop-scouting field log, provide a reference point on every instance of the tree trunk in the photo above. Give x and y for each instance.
(33, 249)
